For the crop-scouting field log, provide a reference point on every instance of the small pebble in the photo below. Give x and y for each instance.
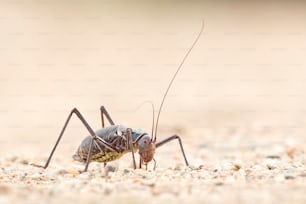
(150, 183)
(219, 183)
(13, 159)
(200, 167)
(272, 164)
(126, 171)
(273, 157)
(178, 168)
(289, 176)
(231, 166)
(111, 168)
(236, 167)
(302, 175)
(61, 172)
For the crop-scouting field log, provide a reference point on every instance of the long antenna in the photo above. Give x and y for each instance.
(178, 69)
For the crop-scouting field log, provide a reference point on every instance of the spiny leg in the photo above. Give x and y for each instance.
(63, 130)
(170, 139)
(93, 138)
(129, 144)
(104, 112)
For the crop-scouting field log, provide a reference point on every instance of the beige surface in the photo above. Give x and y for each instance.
(239, 99)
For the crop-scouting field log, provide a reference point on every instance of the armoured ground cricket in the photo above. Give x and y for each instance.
(110, 143)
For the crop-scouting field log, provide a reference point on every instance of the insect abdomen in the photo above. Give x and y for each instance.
(109, 156)
(96, 155)
(99, 152)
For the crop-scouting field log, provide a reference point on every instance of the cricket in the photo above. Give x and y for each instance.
(110, 143)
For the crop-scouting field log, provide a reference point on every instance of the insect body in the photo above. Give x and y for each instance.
(110, 143)
(118, 137)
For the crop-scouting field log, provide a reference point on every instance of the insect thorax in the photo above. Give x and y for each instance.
(116, 135)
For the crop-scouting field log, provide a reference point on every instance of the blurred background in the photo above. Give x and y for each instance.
(247, 70)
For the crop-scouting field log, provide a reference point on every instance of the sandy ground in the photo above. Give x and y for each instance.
(238, 103)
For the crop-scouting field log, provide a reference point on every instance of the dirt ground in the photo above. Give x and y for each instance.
(238, 102)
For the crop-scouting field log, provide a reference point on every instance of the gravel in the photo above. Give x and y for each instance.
(228, 173)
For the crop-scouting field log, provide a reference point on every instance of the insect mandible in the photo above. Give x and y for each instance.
(110, 143)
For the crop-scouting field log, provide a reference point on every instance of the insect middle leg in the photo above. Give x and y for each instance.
(90, 130)
(129, 132)
(103, 112)
(130, 145)
(173, 137)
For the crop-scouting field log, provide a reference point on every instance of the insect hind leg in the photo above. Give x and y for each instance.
(173, 137)
(90, 130)
(103, 112)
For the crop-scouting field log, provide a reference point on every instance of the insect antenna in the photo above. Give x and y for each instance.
(174, 76)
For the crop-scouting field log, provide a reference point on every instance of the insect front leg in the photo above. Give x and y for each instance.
(158, 144)
(129, 144)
